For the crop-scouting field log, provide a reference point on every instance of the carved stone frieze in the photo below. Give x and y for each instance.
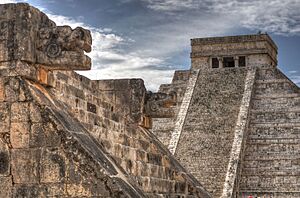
(159, 105)
(26, 34)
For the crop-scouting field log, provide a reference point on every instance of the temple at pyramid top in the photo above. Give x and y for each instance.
(233, 51)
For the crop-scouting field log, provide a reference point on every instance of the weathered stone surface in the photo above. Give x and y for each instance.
(53, 166)
(20, 112)
(25, 165)
(271, 152)
(2, 90)
(163, 127)
(19, 136)
(28, 35)
(158, 105)
(5, 186)
(4, 117)
(208, 129)
(129, 146)
(4, 159)
(258, 50)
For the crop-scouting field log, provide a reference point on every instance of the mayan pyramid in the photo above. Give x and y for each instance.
(228, 127)
(236, 125)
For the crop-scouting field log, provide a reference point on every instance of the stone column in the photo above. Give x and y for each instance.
(236, 61)
(220, 62)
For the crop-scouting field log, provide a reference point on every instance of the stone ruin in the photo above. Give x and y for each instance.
(228, 127)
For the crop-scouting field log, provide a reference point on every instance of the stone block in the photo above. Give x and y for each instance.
(34, 190)
(42, 76)
(20, 112)
(19, 136)
(2, 90)
(5, 187)
(37, 135)
(4, 117)
(49, 133)
(12, 90)
(26, 190)
(53, 166)
(78, 190)
(154, 158)
(35, 113)
(4, 160)
(25, 165)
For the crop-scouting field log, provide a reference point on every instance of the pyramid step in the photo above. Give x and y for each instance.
(271, 156)
(286, 110)
(271, 171)
(271, 183)
(272, 81)
(276, 117)
(273, 141)
(275, 163)
(265, 125)
(269, 73)
(275, 87)
(263, 194)
(274, 131)
(271, 96)
(272, 148)
(276, 103)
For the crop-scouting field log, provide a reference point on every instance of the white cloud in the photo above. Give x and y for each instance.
(296, 79)
(109, 61)
(170, 5)
(293, 72)
(276, 16)
(295, 76)
(9, 1)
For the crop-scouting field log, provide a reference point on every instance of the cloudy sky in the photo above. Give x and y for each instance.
(150, 39)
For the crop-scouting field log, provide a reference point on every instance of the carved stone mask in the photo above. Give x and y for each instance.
(29, 35)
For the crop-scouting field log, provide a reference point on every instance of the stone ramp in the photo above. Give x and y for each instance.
(272, 152)
(208, 130)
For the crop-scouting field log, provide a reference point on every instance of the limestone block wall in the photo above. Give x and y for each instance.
(208, 131)
(44, 152)
(47, 151)
(271, 162)
(115, 125)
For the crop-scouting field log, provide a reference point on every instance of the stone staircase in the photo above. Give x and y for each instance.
(183, 111)
(163, 127)
(272, 152)
(208, 128)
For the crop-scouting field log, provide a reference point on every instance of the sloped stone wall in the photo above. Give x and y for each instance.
(40, 157)
(115, 126)
(271, 161)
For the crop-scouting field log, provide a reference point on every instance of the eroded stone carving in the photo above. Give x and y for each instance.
(158, 105)
(27, 34)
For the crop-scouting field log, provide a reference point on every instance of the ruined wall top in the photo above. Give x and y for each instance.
(26, 34)
(233, 51)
